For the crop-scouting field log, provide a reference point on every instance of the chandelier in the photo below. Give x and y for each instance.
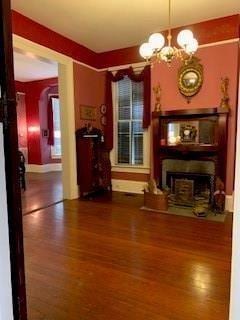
(154, 50)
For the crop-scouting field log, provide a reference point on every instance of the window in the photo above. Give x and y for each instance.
(129, 115)
(56, 150)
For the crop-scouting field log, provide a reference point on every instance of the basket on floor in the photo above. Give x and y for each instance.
(156, 201)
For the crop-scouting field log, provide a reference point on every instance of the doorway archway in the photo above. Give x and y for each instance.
(66, 94)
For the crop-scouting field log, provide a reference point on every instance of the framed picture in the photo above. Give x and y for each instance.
(188, 133)
(88, 113)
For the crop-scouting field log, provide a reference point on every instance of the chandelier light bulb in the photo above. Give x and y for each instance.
(184, 38)
(146, 50)
(156, 40)
(192, 47)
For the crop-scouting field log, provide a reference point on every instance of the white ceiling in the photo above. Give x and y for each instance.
(28, 67)
(104, 25)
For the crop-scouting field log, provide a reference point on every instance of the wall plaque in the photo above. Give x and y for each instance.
(88, 112)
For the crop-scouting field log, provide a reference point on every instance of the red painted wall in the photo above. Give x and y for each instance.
(218, 61)
(20, 86)
(36, 98)
(89, 90)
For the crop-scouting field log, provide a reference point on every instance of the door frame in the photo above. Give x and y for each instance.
(8, 117)
(66, 96)
(234, 311)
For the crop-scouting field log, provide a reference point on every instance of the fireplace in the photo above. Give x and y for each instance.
(187, 189)
(189, 182)
(189, 153)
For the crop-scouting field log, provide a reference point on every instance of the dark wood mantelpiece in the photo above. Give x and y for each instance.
(189, 112)
(190, 148)
(215, 152)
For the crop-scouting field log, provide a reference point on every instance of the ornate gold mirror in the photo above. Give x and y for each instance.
(190, 78)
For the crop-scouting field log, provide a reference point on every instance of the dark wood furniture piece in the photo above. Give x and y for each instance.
(210, 145)
(93, 162)
(22, 170)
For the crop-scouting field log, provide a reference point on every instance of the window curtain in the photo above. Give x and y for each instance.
(50, 120)
(144, 76)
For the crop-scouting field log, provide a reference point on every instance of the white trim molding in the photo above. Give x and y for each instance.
(219, 43)
(136, 65)
(88, 66)
(234, 310)
(6, 306)
(142, 64)
(131, 169)
(43, 168)
(145, 168)
(66, 95)
(128, 186)
(21, 93)
(229, 203)
(38, 50)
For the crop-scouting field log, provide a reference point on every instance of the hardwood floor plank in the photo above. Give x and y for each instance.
(43, 189)
(106, 259)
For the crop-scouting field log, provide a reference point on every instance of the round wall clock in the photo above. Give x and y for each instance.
(103, 109)
(103, 120)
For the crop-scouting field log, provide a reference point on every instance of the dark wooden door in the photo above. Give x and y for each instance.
(9, 119)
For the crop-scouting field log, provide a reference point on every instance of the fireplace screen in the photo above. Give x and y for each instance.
(184, 191)
(189, 189)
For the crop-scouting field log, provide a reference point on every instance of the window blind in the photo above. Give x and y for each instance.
(129, 122)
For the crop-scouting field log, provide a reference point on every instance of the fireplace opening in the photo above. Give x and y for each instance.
(190, 189)
(190, 182)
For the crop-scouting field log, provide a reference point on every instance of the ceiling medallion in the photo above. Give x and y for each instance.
(155, 51)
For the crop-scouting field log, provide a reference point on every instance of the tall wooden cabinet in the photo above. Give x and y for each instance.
(93, 162)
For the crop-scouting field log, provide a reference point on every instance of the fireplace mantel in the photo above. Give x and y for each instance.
(216, 151)
(189, 112)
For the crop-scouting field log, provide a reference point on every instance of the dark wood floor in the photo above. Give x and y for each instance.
(108, 260)
(43, 189)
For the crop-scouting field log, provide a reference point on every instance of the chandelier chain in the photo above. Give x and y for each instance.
(169, 15)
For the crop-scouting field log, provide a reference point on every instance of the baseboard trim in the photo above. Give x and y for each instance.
(42, 168)
(229, 203)
(128, 186)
